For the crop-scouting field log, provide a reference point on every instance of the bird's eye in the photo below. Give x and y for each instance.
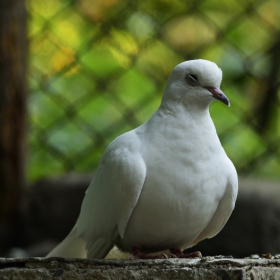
(192, 80)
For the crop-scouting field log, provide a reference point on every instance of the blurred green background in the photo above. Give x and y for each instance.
(97, 68)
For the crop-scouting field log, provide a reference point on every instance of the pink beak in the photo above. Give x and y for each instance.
(219, 95)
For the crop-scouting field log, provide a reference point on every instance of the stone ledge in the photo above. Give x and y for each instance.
(205, 268)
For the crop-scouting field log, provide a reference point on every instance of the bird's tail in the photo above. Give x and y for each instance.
(115, 253)
(70, 247)
(74, 247)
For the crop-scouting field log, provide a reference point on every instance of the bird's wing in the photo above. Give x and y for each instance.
(114, 191)
(224, 209)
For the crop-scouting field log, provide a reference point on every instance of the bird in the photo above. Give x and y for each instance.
(166, 185)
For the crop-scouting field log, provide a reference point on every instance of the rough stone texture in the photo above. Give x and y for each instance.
(205, 268)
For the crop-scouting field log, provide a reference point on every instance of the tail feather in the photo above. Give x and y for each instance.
(74, 247)
(70, 247)
(99, 248)
(116, 253)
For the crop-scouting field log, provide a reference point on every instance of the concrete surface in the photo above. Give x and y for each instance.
(205, 268)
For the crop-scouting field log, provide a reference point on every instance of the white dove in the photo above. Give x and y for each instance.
(167, 184)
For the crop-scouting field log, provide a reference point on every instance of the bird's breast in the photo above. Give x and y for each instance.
(179, 197)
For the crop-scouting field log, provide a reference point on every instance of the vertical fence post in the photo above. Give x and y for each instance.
(12, 115)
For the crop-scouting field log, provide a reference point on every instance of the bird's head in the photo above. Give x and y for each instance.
(195, 82)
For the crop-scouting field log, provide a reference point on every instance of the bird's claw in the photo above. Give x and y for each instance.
(179, 254)
(147, 257)
(137, 254)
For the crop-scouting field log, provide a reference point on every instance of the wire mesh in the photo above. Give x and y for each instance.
(98, 68)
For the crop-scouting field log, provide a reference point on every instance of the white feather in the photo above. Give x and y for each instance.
(166, 184)
(70, 247)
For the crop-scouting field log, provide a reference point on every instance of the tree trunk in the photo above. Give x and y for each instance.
(12, 115)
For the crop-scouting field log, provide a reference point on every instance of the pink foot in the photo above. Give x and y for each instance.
(179, 254)
(137, 254)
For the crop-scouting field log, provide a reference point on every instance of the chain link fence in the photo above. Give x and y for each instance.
(97, 68)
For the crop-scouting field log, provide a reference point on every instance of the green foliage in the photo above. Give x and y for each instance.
(98, 69)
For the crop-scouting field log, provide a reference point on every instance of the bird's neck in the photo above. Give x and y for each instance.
(190, 127)
(189, 114)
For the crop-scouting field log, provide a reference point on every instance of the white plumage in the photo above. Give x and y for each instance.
(166, 184)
